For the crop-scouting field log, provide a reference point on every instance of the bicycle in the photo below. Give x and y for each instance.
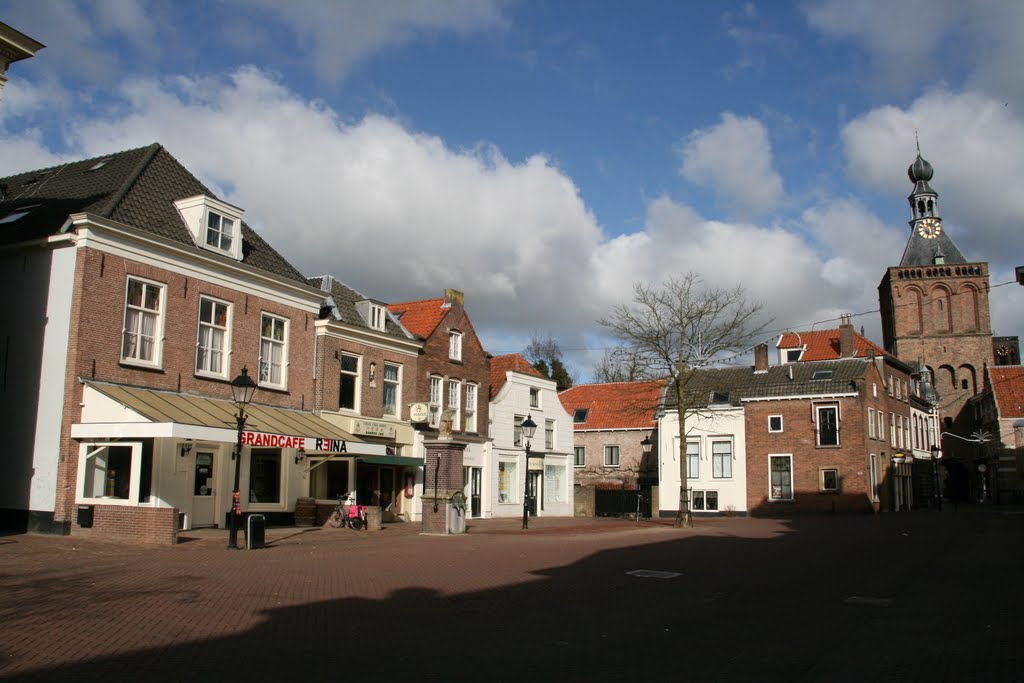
(347, 514)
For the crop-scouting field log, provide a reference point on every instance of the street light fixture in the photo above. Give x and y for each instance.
(242, 390)
(529, 427)
(897, 460)
(647, 443)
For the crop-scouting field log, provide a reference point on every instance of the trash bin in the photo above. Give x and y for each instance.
(85, 516)
(255, 531)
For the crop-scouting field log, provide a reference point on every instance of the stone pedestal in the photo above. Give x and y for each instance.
(442, 479)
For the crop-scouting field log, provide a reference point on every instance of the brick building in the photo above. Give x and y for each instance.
(449, 389)
(141, 295)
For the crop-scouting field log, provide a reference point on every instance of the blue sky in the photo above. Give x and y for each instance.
(544, 156)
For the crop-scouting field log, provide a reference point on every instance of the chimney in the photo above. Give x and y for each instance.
(846, 345)
(454, 298)
(761, 358)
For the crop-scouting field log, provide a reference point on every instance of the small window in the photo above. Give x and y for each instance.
(579, 456)
(455, 345)
(436, 395)
(821, 374)
(549, 434)
(17, 213)
(517, 430)
(99, 164)
(793, 355)
(454, 389)
(774, 423)
(611, 456)
(220, 231)
(704, 501)
(348, 390)
(721, 459)
(534, 397)
(719, 397)
(393, 387)
(212, 345)
(692, 459)
(828, 425)
(273, 351)
(780, 468)
(830, 480)
(579, 416)
(471, 407)
(377, 317)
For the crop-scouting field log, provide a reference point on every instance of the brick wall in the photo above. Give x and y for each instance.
(94, 346)
(449, 480)
(136, 524)
(475, 367)
(595, 473)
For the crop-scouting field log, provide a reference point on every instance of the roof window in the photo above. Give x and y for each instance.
(821, 374)
(18, 213)
(579, 416)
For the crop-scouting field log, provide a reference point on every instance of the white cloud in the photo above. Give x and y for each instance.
(339, 34)
(350, 199)
(733, 158)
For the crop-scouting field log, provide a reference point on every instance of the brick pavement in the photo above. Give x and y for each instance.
(755, 599)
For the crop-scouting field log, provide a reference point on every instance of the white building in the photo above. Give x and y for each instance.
(518, 392)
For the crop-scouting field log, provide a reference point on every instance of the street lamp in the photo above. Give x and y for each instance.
(936, 456)
(529, 427)
(242, 390)
(647, 443)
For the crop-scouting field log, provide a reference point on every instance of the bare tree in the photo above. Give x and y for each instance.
(681, 327)
(623, 365)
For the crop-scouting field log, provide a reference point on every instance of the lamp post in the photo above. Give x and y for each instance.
(242, 390)
(936, 456)
(529, 427)
(647, 444)
(897, 459)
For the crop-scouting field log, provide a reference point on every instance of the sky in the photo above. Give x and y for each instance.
(545, 157)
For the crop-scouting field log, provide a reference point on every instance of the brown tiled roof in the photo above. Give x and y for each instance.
(501, 365)
(824, 345)
(420, 317)
(616, 405)
(1008, 386)
(137, 187)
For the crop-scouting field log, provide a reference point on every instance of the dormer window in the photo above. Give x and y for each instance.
(220, 231)
(215, 225)
(373, 313)
(719, 397)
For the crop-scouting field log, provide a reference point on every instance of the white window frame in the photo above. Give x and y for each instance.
(618, 456)
(225, 350)
(397, 384)
(517, 430)
(230, 234)
(702, 496)
(436, 400)
(378, 318)
(576, 452)
(271, 343)
(549, 435)
(775, 431)
(356, 376)
(454, 395)
(511, 481)
(471, 406)
(455, 345)
(693, 473)
(534, 397)
(158, 332)
(771, 492)
(818, 408)
(881, 425)
(871, 423)
(717, 458)
(91, 449)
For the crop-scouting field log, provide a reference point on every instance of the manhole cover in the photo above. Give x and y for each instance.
(652, 574)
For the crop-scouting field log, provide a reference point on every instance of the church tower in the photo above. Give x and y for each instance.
(934, 304)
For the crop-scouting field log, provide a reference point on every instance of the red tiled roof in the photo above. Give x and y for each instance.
(420, 317)
(1008, 385)
(824, 345)
(500, 365)
(617, 405)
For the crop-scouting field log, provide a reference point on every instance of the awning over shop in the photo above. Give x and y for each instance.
(112, 410)
(391, 460)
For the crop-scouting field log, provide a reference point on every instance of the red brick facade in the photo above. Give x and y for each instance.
(94, 352)
(859, 440)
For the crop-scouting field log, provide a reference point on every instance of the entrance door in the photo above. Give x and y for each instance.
(203, 498)
(387, 490)
(533, 490)
(475, 487)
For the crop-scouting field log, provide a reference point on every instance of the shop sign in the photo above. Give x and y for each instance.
(263, 439)
(371, 428)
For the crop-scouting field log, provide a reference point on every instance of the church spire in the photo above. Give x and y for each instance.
(924, 201)
(928, 244)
